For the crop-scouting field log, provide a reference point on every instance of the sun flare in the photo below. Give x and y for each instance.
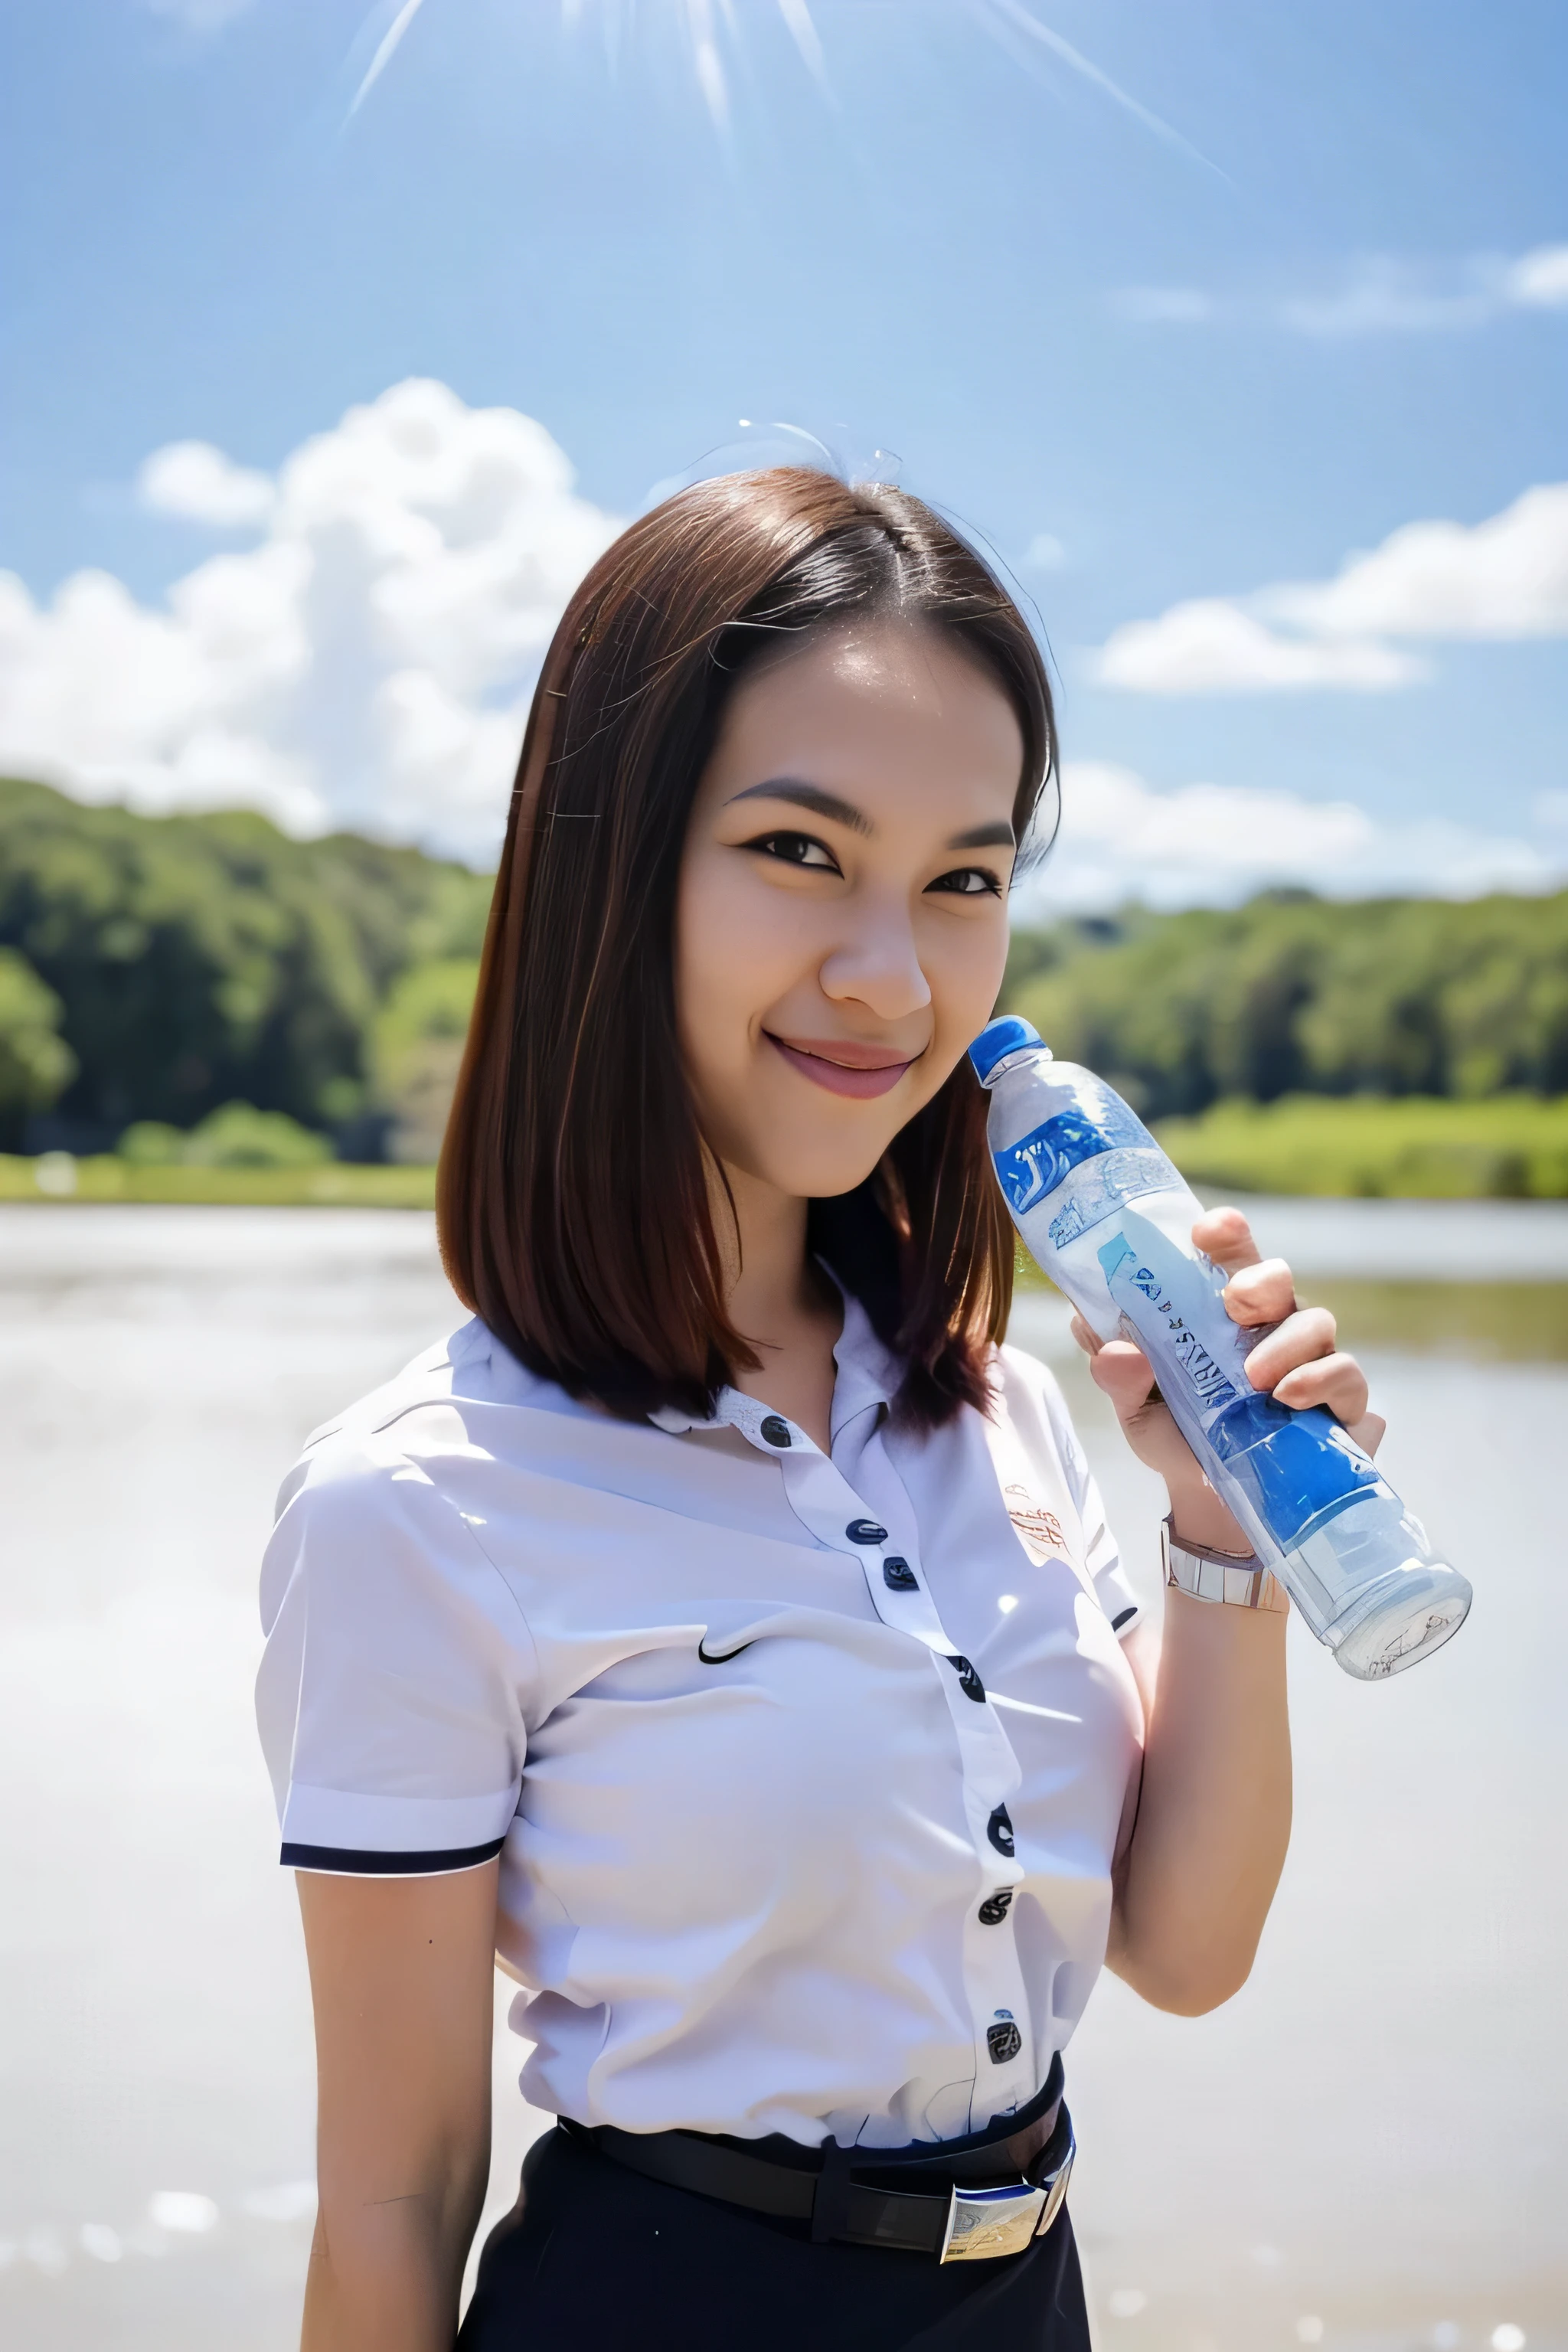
(714, 32)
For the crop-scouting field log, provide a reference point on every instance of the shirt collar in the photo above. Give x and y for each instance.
(867, 1374)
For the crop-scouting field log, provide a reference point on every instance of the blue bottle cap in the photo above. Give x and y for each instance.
(997, 1040)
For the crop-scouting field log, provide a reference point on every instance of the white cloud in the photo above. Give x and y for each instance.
(1209, 844)
(1538, 280)
(1211, 647)
(1376, 294)
(367, 664)
(1384, 296)
(1506, 578)
(198, 483)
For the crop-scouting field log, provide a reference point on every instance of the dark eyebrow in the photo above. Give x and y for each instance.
(984, 837)
(999, 835)
(812, 797)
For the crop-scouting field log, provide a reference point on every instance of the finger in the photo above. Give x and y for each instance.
(1088, 1337)
(1264, 1292)
(1224, 1236)
(1124, 1374)
(1301, 1338)
(1368, 1432)
(1336, 1381)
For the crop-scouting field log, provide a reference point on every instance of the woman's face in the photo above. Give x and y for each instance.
(842, 922)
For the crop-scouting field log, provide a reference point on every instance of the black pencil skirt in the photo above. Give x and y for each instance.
(598, 2258)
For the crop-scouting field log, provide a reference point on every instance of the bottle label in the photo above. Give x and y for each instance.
(1035, 1166)
(1295, 1469)
(1106, 1184)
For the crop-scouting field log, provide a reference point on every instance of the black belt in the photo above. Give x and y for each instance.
(960, 2211)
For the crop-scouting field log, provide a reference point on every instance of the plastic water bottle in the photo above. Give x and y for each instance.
(1106, 1215)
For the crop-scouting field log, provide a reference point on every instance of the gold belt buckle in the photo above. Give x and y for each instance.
(983, 2223)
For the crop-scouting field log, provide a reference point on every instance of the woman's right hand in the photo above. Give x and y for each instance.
(1297, 1357)
(401, 1977)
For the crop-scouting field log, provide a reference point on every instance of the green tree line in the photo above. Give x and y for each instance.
(1291, 995)
(156, 968)
(156, 971)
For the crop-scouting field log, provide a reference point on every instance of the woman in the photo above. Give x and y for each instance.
(723, 1624)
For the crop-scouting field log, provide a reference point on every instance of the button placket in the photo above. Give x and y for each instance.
(830, 1509)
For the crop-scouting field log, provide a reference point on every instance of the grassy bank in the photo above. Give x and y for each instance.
(334, 1184)
(1480, 1322)
(1512, 1146)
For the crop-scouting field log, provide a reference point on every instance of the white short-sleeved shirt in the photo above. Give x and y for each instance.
(805, 1769)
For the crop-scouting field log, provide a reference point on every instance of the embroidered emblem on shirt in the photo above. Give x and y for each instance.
(718, 1657)
(1041, 1530)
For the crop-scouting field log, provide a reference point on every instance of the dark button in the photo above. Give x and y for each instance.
(969, 1682)
(1004, 2041)
(999, 1830)
(899, 1576)
(866, 1531)
(776, 1431)
(994, 1908)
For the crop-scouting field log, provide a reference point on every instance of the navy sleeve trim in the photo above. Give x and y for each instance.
(348, 1863)
(1117, 1623)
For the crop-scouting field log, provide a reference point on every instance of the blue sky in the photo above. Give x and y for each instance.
(1180, 304)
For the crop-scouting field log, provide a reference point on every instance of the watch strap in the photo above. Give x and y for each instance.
(1204, 1575)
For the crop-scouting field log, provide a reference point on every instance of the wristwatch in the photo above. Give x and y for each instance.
(1238, 1578)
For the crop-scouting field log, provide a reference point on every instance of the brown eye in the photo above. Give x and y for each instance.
(969, 882)
(795, 849)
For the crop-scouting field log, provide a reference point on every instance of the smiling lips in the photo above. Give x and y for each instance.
(844, 1068)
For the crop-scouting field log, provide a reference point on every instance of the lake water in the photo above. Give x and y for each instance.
(1365, 2149)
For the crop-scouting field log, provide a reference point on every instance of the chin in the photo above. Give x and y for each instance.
(809, 1149)
(817, 1176)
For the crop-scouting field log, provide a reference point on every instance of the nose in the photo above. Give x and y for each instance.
(877, 964)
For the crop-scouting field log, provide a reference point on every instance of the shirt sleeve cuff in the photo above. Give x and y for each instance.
(347, 1861)
(341, 1831)
(1113, 1591)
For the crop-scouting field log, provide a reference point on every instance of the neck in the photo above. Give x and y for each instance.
(768, 1279)
(779, 1302)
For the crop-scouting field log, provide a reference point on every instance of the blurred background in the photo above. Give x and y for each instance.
(338, 341)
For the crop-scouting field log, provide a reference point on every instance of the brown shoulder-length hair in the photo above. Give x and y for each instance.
(573, 1203)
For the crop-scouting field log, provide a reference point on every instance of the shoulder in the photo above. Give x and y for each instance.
(1030, 1395)
(453, 1398)
(469, 1367)
(351, 1462)
(384, 1492)
(1030, 1415)
(398, 1664)
(376, 1521)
